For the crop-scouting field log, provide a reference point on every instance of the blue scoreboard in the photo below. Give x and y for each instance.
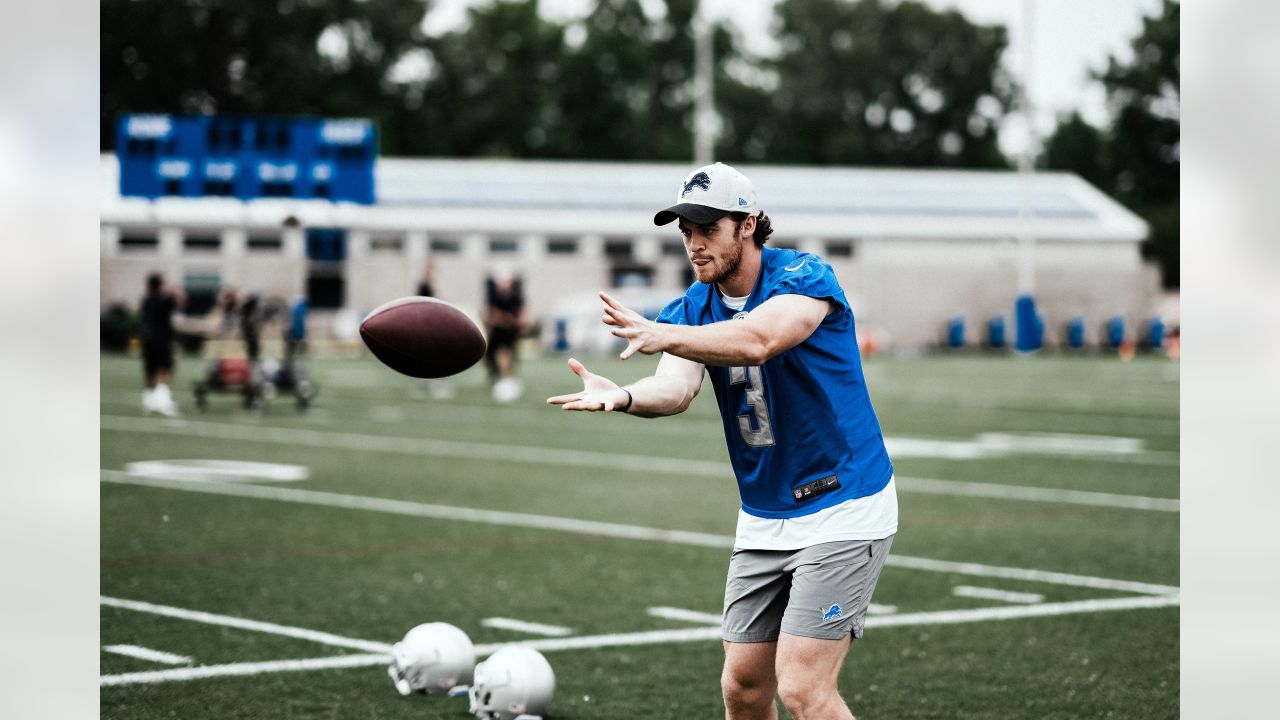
(246, 157)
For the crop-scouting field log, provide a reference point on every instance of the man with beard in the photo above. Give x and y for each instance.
(819, 510)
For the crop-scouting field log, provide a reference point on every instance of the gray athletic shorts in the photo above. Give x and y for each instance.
(819, 592)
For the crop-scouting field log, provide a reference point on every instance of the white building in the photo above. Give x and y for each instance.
(912, 248)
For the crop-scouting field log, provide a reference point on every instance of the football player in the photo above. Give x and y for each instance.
(774, 331)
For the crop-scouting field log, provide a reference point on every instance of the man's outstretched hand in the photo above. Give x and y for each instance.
(599, 393)
(642, 335)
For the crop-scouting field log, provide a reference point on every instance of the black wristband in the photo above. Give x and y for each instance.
(630, 400)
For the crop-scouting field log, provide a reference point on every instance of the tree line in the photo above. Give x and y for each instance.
(853, 82)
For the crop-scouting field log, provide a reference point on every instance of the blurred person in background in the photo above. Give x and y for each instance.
(504, 316)
(440, 388)
(158, 308)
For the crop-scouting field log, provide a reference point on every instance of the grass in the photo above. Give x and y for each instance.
(372, 575)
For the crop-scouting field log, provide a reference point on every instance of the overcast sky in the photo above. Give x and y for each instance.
(1071, 37)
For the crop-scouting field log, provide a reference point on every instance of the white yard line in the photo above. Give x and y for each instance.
(653, 637)
(593, 527)
(257, 626)
(429, 447)
(983, 593)
(878, 609)
(952, 617)
(142, 653)
(693, 616)
(525, 626)
(1035, 494)
(249, 668)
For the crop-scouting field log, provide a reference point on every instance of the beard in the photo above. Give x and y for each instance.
(730, 267)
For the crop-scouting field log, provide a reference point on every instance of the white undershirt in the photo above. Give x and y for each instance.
(865, 518)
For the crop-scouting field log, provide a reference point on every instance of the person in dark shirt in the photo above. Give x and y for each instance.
(158, 308)
(440, 388)
(503, 316)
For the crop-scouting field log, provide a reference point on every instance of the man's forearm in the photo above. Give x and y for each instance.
(730, 343)
(658, 395)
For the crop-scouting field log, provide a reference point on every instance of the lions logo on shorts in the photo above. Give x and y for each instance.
(831, 613)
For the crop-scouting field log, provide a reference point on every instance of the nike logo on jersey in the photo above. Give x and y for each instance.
(797, 267)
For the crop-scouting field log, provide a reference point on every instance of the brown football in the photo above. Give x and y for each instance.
(423, 337)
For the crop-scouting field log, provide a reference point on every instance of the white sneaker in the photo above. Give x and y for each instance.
(508, 390)
(162, 401)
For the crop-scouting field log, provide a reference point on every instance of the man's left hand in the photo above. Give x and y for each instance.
(644, 336)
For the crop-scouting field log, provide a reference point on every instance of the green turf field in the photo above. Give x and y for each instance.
(1034, 575)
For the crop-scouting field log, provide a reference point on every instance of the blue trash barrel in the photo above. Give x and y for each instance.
(1156, 334)
(1030, 331)
(561, 343)
(1075, 332)
(995, 331)
(955, 332)
(1115, 331)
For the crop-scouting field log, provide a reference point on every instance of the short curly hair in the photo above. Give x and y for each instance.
(764, 227)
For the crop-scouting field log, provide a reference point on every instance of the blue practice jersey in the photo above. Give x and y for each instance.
(801, 431)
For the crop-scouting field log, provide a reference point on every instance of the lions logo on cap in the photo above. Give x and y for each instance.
(700, 180)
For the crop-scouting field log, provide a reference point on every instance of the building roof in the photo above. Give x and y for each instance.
(559, 197)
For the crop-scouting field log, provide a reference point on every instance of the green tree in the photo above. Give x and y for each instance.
(1136, 158)
(1078, 146)
(244, 56)
(1144, 95)
(880, 83)
(494, 86)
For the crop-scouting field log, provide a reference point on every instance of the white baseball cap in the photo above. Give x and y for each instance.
(708, 194)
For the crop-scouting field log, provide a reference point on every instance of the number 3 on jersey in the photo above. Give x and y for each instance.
(762, 435)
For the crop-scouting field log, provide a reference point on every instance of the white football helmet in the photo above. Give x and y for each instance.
(515, 683)
(432, 659)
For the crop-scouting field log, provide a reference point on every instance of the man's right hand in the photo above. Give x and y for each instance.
(599, 393)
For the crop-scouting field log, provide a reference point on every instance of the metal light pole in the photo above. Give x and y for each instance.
(1029, 327)
(704, 106)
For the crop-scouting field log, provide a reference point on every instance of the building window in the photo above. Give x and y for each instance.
(625, 276)
(201, 289)
(386, 246)
(446, 246)
(201, 243)
(265, 243)
(562, 246)
(139, 243)
(618, 249)
(326, 289)
(784, 244)
(839, 249)
(503, 246)
(674, 249)
(327, 244)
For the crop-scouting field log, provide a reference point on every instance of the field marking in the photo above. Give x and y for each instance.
(982, 593)
(524, 626)
(952, 617)
(652, 637)
(1035, 494)
(323, 638)
(203, 470)
(604, 529)
(249, 668)
(878, 609)
(428, 447)
(142, 653)
(693, 616)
